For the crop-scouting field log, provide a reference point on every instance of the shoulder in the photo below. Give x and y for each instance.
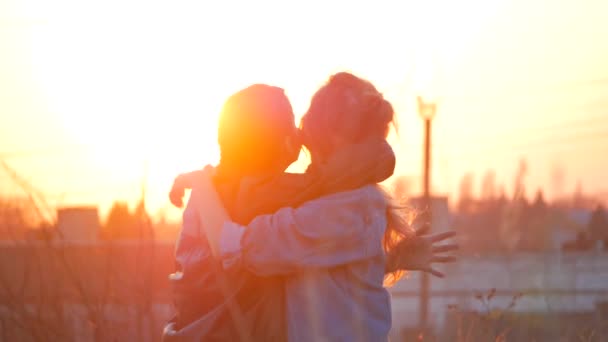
(368, 196)
(355, 207)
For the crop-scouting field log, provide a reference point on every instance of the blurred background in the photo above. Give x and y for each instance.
(102, 104)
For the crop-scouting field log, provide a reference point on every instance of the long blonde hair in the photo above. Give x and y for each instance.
(353, 109)
(399, 220)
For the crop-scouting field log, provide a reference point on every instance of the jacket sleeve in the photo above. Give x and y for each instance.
(324, 233)
(353, 167)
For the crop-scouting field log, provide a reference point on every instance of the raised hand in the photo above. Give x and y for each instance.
(420, 252)
(187, 181)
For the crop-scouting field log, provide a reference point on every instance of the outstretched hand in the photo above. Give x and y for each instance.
(187, 181)
(420, 252)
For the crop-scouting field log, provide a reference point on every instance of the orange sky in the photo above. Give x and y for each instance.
(95, 96)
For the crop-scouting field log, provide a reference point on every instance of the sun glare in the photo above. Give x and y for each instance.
(142, 87)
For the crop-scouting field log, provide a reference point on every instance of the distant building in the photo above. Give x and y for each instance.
(78, 224)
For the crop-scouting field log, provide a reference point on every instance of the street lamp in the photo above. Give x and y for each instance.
(427, 112)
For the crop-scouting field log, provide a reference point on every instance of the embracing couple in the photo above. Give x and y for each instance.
(265, 255)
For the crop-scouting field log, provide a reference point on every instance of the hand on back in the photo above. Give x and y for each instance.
(188, 180)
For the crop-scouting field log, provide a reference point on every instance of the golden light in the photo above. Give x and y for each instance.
(141, 83)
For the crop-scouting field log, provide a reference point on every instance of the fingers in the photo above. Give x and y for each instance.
(177, 202)
(445, 248)
(443, 259)
(441, 236)
(177, 197)
(434, 272)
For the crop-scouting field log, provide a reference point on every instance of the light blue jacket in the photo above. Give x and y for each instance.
(330, 250)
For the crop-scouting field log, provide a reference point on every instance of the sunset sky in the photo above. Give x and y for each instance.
(95, 97)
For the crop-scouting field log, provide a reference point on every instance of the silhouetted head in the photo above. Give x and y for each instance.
(346, 110)
(257, 132)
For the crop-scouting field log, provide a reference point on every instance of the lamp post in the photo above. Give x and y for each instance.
(427, 111)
